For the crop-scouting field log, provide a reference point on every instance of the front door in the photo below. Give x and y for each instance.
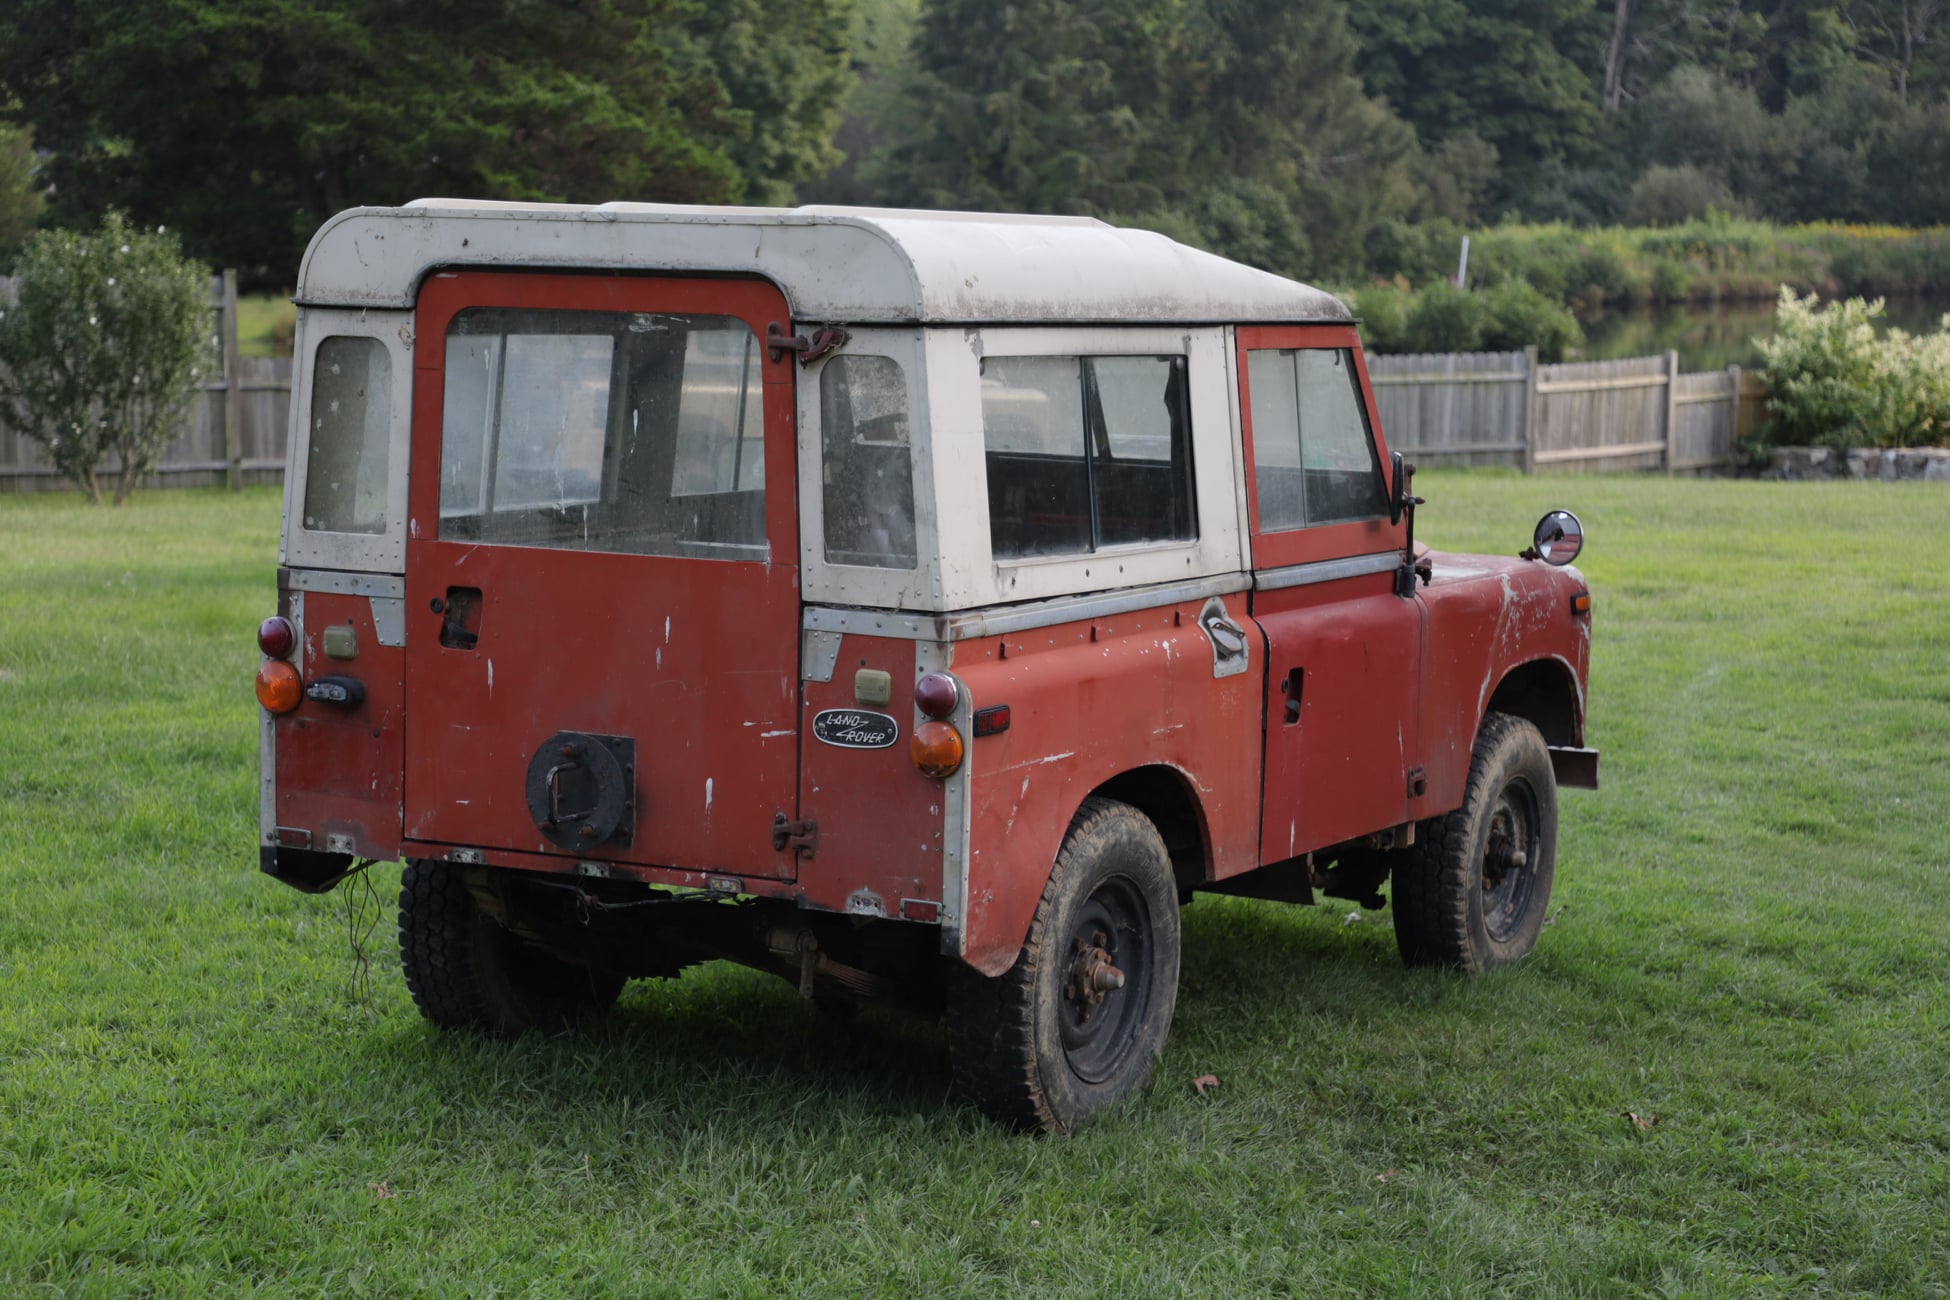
(1343, 650)
(601, 580)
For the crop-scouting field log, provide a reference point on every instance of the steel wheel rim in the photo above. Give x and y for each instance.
(1509, 863)
(1112, 928)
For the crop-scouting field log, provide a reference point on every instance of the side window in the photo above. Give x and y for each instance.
(1086, 452)
(1314, 459)
(604, 431)
(347, 446)
(867, 469)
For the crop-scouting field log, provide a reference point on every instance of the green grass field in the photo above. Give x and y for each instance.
(204, 1091)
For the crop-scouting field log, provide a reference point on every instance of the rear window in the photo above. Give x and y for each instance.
(347, 446)
(607, 431)
(1086, 452)
(867, 472)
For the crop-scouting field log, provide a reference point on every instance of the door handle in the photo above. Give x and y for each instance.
(1231, 647)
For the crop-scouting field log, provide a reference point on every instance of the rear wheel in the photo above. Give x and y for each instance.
(1473, 889)
(465, 969)
(1077, 1023)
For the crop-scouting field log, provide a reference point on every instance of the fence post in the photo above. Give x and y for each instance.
(1733, 417)
(1672, 408)
(1530, 396)
(231, 449)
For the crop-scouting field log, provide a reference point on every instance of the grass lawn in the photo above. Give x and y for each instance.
(203, 1090)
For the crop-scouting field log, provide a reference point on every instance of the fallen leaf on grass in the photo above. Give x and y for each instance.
(1205, 1081)
(1385, 1175)
(1352, 918)
(1552, 918)
(1643, 1121)
(384, 1191)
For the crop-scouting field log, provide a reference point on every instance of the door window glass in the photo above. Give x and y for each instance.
(607, 431)
(867, 472)
(1314, 459)
(348, 444)
(1086, 452)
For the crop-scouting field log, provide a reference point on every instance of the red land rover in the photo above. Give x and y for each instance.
(920, 606)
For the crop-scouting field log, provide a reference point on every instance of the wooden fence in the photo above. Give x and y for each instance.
(1460, 408)
(237, 425)
(1503, 408)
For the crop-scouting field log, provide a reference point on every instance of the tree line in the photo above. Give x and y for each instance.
(1300, 135)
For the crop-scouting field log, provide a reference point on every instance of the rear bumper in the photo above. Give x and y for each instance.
(1575, 767)
(306, 870)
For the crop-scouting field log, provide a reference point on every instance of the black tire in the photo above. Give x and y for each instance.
(1472, 891)
(465, 970)
(1046, 1046)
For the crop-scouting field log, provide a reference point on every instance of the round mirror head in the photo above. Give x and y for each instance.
(1559, 537)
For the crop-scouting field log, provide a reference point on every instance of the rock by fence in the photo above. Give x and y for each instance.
(1929, 463)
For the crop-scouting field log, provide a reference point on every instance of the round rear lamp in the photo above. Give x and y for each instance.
(278, 686)
(276, 637)
(936, 695)
(936, 748)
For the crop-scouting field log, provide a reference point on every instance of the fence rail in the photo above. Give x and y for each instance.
(1457, 408)
(1503, 408)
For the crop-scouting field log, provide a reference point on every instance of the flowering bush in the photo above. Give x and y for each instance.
(1833, 380)
(102, 351)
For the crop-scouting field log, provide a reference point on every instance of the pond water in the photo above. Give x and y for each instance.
(1712, 337)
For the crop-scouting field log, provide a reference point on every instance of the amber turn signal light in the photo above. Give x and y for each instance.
(936, 748)
(1581, 604)
(278, 686)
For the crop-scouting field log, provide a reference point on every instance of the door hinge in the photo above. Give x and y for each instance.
(801, 837)
(1418, 782)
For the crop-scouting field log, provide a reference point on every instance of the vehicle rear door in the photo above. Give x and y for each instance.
(1343, 650)
(601, 580)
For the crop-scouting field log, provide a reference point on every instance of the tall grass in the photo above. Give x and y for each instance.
(205, 1090)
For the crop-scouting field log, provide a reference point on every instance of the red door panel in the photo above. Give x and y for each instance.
(1343, 675)
(1341, 727)
(683, 665)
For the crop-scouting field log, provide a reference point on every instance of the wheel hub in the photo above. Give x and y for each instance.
(1093, 974)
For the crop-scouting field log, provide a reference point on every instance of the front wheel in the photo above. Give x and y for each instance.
(1077, 1023)
(1472, 891)
(465, 969)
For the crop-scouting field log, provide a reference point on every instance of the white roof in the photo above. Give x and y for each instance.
(854, 265)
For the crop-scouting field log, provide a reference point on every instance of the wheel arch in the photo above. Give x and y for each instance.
(1166, 796)
(1543, 692)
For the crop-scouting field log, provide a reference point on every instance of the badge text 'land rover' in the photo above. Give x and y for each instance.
(920, 606)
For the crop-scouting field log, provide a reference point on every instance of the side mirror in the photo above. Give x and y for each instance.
(1397, 489)
(1558, 539)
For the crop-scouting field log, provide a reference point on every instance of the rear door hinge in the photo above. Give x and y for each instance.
(801, 837)
(1418, 782)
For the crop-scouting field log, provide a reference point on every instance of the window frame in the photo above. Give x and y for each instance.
(446, 294)
(1313, 542)
(384, 551)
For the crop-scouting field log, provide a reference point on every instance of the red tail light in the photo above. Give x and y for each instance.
(276, 637)
(936, 695)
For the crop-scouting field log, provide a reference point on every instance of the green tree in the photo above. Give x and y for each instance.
(21, 196)
(244, 123)
(1235, 124)
(102, 350)
(1510, 72)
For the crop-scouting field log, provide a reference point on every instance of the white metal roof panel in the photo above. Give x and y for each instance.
(859, 265)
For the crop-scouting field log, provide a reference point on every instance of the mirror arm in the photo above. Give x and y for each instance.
(1402, 501)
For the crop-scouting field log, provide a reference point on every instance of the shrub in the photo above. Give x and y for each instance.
(1834, 382)
(101, 354)
(1442, 318)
